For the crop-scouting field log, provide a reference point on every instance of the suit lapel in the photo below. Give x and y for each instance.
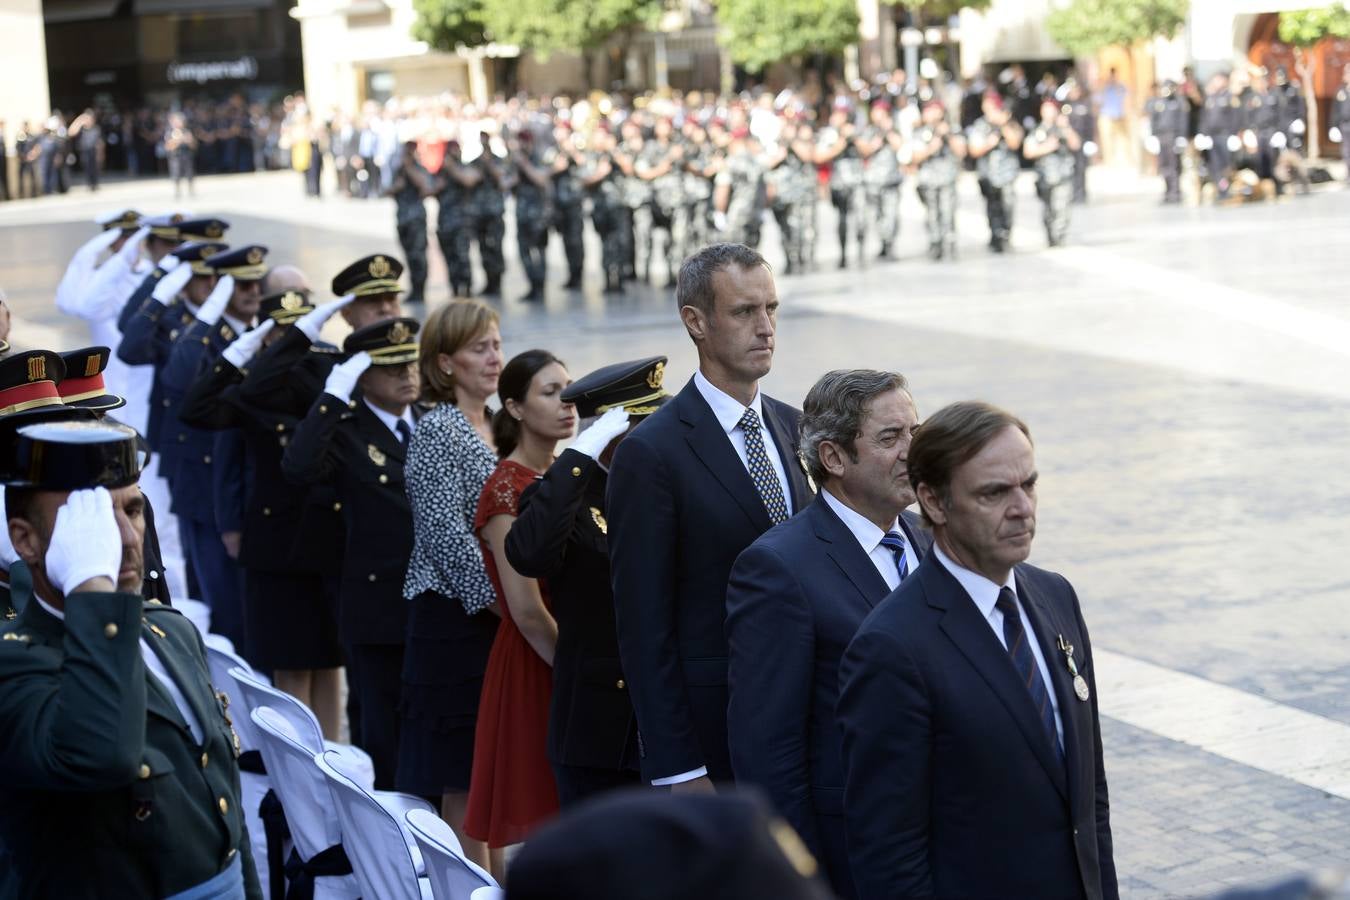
(376, 432)
(973, 637)
(1047, 627)
(787, 443)
(712, 447)
(844, 549)
(919, 538)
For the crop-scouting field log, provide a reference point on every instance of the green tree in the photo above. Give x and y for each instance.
(758, 33)
(450, 24)
(1086, 26)
(937, 11)
(1302, 29)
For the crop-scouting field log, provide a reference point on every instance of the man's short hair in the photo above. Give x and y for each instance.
(951, 437)
(834, 411)
(20, 503)
(694, 285)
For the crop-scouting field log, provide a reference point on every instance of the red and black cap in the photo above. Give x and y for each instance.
(83, 384)
(28, 382)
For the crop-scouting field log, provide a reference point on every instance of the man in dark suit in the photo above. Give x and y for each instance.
(357, 442)
(968, 699)
(561, 534)
(798, 594)
(690, 488)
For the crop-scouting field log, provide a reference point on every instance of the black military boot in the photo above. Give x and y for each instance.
(574, 282)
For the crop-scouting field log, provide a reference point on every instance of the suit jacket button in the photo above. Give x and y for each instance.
(576, 471)
(323, 408)
(165, 403)
(224, 806)
(182, 438)
(145, 771)
(207, 459)
(619, 684)
(281, 426)
(384, 479)
(205, 759)
(154, 575)
(337, 507)
(370, 577)
(267, 510)
(110, 630)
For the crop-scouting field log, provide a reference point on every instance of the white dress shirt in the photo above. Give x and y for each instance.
(156, 669)
(869, 538)
(238, 325)
(985, 594)
(728, 411)
(389, 419)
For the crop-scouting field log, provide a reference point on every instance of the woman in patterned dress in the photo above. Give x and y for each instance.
(512, 789)
(454, 607)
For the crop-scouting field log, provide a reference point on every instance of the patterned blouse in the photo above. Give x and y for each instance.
(448, 464)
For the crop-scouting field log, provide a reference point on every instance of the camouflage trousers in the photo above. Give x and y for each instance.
(611, 223)
(412, 237)
(674, 223)
(454, 238)
(882, 204)
(570, 226)
(998, 205)
(939, 202)
(532, 224)
(489, 230)
(1055, 200)
(797, 223)
(848, 203)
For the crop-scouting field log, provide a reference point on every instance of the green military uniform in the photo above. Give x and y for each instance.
(107, 792)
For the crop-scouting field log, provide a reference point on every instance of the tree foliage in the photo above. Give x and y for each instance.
(1086, 26)
(758, 33)
(1305, 27)
(540, 26)
(936, 11)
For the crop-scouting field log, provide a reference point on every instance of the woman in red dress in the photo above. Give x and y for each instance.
(511, 789)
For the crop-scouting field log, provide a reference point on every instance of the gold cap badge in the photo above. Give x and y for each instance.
(379, 267)
(255, 256)
(37, 368)
(657, 374)
(399, 333)
(92, 364)
(291, 301)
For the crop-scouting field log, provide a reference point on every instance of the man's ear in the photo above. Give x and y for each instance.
(931, 502)
(26, 540)
(831, 458)
(694, 323)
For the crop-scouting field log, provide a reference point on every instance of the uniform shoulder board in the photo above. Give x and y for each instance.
(324, 348)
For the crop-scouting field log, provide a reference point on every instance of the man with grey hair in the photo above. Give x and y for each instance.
(798, 594)
(689, 489)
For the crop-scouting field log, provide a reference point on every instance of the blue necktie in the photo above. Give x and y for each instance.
(761, 470)
(1024, 661)
(896, 543)
(404, 432)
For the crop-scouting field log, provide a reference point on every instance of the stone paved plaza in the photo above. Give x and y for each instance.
(1186, 375)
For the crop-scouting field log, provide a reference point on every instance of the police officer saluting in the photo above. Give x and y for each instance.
(561, 534)
(1167, 122)
(119, 756)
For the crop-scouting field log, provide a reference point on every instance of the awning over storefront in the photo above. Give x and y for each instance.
(55, 12)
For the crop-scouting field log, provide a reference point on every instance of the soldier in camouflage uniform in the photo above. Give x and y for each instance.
(738, 191)
(791, 185)
(636, 223)
(412, 185)
(564, 161)
(1051, 146)
(601, 178)
(993, 142)
(878, 142)
(454, 220)
(534, 210)
(936, 151)
(659, 165)
(699, 169)
(837, 148)
(487, 205)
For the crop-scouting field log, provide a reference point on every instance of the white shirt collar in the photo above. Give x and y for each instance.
(725, 407)
(48, 608)
(389, 419)
(866, 531)
(983, 591)
(238, 326)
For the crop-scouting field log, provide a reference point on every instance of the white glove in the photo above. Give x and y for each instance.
(1203, 142)
(1234, 143)
(86, 541)
(1335, 134)
(69, 293)
(8, 555)
(216, 301)
(593, 441)
(342, 380)
(1153, 145)
(246, 346)
(169, 263)
(719, 220)
(131, 250)
(1180, 144)
(312, 322)
(1278, 140)
(169, 285)
(1089, 148)
(1297, 126)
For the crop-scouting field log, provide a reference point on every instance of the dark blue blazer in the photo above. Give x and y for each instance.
(796, 598)
(681, 508)
(952, 789)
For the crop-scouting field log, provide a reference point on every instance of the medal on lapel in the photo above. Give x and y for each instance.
(1080, 685)
(376, 455)
(599, 519)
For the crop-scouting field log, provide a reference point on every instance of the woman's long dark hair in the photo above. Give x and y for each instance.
(514, 384)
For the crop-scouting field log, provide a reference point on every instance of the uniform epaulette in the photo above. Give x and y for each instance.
(324, 348)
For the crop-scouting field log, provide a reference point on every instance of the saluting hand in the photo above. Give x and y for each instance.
(312, 322)
(593, 441)
(86, 544)
(210, 311)
(243, 348)
(342, 380)
(132, 248)
(177, 277)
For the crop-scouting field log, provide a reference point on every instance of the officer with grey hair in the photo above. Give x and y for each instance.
(798, 594)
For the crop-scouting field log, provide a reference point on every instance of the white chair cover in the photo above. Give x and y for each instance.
(453, 877)
(304, 795)
(488, 893)
(383, 854)
(196, 612)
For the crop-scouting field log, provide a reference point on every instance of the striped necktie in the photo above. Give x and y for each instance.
(761, 470)
(1019, 648)
(896, 544)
